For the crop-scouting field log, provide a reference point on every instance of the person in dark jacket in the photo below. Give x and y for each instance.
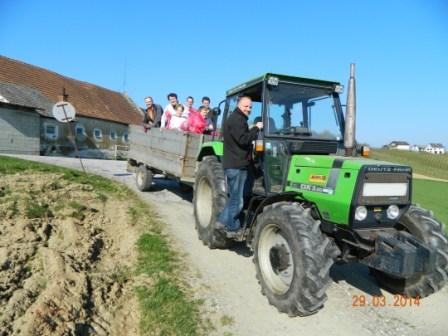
(153, 114)
(236, 160)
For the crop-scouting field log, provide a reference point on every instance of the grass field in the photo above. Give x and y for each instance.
(431, 195)
(421, 163)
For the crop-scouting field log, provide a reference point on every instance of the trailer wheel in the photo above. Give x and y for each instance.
(420, 223)
(292, 259)
(209, 198)
(143, 178)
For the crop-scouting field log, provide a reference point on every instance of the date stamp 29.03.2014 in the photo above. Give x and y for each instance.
(380, 301)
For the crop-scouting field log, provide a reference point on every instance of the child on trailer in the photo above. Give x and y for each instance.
(177, 120)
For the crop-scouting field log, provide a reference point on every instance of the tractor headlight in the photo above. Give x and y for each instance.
(393, 211)
(360, 213)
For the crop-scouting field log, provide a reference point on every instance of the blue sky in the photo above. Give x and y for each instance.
(205, 47)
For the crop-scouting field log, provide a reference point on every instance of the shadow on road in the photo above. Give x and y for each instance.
(356, 275)
(180, 190)
(241, 249)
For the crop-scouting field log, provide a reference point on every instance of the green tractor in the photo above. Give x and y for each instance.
(316, 200)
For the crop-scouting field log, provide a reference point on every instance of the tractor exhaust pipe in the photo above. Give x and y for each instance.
(350, 114)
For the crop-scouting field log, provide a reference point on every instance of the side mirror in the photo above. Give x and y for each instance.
(216, 111)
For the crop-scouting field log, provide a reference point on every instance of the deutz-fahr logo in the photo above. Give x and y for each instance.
(388, 169)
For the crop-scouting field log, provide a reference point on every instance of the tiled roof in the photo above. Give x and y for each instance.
(89, 100)
(398, 143)
(436, 145)
(25, 96)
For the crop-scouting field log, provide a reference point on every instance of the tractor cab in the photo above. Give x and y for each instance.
(300, 116)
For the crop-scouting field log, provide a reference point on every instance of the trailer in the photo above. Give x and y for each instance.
(172, 153)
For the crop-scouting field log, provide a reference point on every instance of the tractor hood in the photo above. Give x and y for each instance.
(334, 183)
(326, 161)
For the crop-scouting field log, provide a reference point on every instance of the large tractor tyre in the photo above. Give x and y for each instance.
(292, 259)
(143, 178)
(209, 199)
(427, 229)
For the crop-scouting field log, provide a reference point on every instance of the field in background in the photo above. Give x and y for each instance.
(429, 194)
(421, 163)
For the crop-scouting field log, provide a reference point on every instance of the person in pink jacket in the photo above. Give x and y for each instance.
(196, 122)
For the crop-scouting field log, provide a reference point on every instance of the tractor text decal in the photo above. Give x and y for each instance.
(313, 188)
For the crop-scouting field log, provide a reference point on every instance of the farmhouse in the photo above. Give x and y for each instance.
(400, 145)
(27, 94)
(435, 148)
(19, 120)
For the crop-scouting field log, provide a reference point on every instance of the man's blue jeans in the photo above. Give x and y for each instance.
(236, 179)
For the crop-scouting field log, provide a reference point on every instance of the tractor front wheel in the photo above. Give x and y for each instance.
(292, 259)
(427, 229)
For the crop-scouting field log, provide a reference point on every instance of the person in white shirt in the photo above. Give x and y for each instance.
(189, 107)
(177, 120)
(170, 110)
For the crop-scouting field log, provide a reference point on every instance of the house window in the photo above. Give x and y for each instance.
(98, 134)
(113, 135)
(125, 138)
(51, 131)
(80, 130)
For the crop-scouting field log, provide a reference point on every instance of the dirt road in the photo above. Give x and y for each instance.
(227, 278)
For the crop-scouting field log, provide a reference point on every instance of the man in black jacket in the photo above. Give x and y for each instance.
(153, 114)
(236, 160)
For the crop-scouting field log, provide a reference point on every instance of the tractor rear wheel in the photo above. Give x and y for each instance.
(209, 199)
(292, 259)
(420, 223)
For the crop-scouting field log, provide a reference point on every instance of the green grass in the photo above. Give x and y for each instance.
(431, 195)
(421, 163)
(227, 320)
(79, 210)
(155, 255)
(36, 210)
(167, 310)
(100, 184)
(166, 307)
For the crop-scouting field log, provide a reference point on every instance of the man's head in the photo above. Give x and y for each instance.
(172, 97)
(190, 101)
(245, 105)
(206, 101)
(148, 102)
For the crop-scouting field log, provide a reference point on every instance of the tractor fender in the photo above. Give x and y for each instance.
(288, 196)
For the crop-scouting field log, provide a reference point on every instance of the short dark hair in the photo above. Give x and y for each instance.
(202, 107)
(172, 94)
(190, 97)
(205, 98)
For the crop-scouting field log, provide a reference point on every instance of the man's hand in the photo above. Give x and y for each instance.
(259, 125)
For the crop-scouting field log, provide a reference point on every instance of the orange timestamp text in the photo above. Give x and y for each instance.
(379, 301)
